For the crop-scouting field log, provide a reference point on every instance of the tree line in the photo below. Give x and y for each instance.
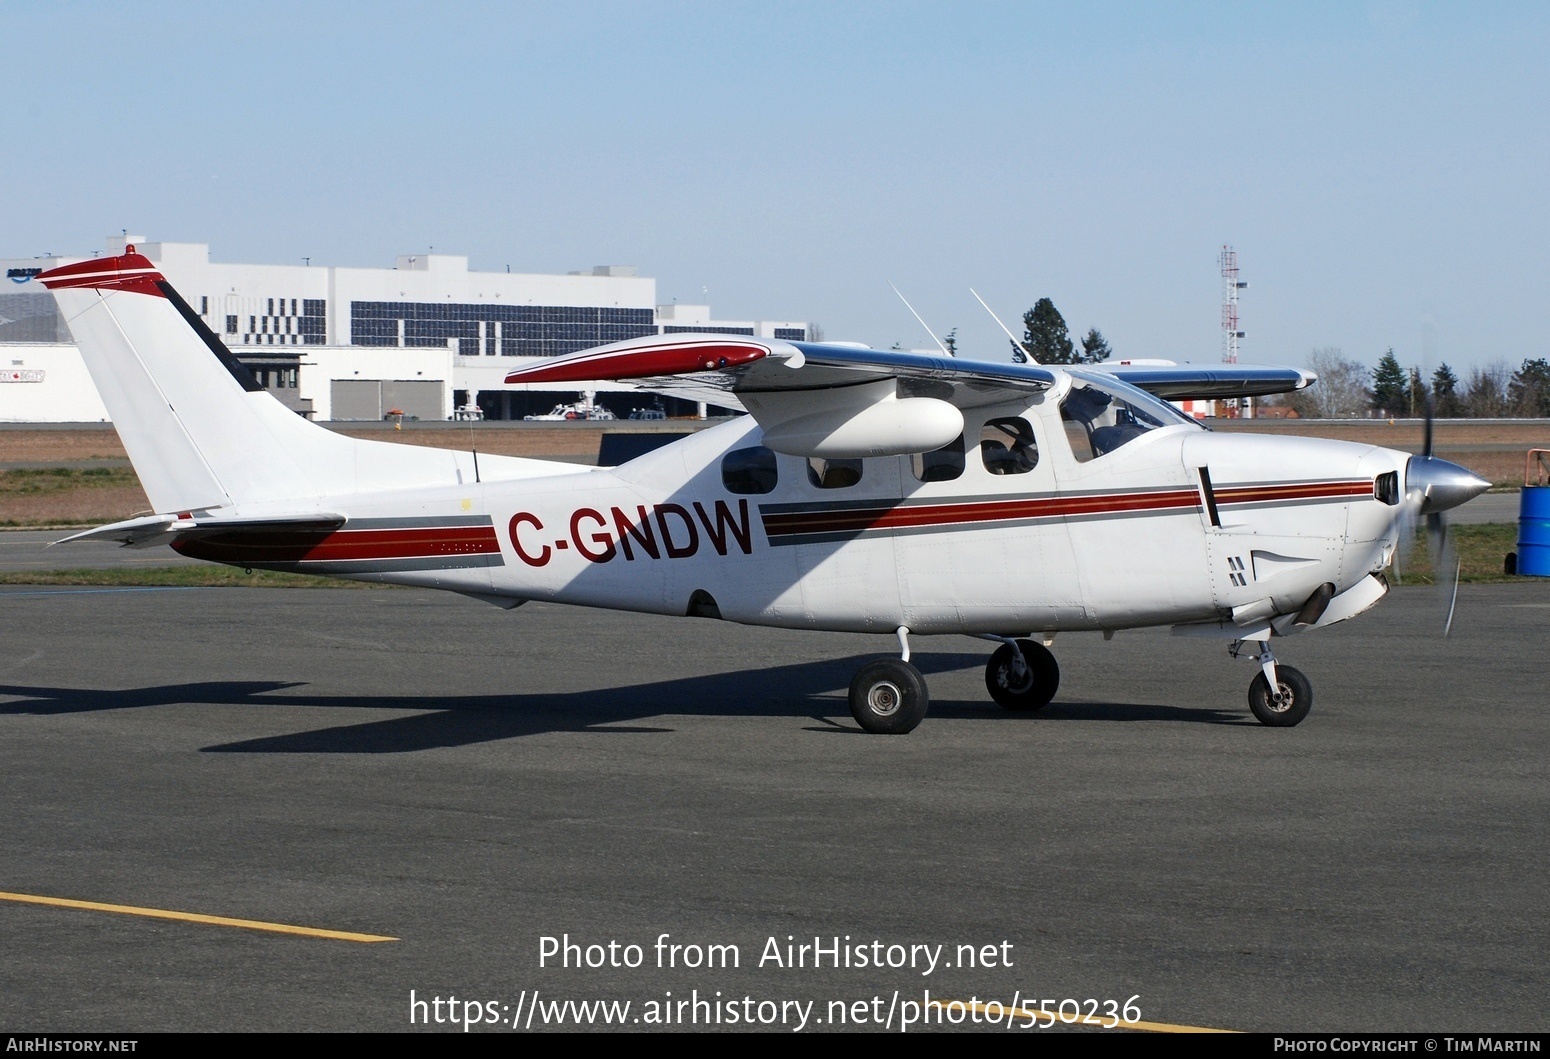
(1348, 388)
(1047, 340)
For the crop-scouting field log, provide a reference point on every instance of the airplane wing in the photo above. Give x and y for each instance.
(731, 365)
(813, 399)
(1181, 382)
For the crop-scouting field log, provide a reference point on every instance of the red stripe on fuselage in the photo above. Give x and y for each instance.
(860, 519)
(1304, 491)
(259, 546)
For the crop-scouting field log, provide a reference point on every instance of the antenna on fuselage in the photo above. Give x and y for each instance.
(1017, 347)
(923, 323)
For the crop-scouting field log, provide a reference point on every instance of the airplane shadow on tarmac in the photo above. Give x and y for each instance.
(804, 689)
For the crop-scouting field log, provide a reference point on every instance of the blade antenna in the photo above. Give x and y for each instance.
(1016, 345)
(923, 323)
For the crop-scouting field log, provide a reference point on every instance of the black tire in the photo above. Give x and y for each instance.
(1039, 682)
(888, 697)
(1292, 704)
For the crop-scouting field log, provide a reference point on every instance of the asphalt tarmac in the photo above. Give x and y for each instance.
(471, 782)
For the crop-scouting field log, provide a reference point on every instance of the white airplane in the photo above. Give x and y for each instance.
(867, 491)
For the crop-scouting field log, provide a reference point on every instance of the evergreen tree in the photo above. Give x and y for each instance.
(1095, 347)
(1529, 392)
(1389, 385)
(1416, 394)
(1445, 395)
(1046, 339)
(951, 342)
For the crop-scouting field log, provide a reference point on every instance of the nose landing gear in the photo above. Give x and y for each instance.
(1279, 696)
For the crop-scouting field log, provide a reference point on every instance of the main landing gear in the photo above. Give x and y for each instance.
(1292, 698)
(1022, 675)
(889, 697)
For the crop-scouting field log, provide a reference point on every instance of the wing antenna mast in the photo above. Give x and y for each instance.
(911, 308)
(1017, 347)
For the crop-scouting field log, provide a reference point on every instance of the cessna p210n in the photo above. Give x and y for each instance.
(866, 491)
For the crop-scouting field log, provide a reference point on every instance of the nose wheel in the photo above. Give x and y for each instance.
(1022, 675)
(1288, 704)
(1279, 696)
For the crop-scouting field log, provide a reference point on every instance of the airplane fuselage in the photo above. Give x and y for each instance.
(1132, 538)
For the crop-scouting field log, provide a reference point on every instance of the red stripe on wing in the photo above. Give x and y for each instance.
(643, 363)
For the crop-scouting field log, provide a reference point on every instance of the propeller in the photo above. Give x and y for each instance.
(1433, 486)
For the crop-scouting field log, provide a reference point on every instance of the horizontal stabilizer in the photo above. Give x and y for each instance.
(150, 530)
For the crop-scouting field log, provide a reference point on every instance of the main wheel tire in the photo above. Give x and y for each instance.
(888, 697)
(1040, 680)
(1290, 704)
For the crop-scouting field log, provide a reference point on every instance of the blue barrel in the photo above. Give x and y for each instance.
(1534, 531)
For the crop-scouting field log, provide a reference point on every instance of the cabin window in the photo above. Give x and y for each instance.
(1103, 414)
(939, 465)
(833, 474)
(1007, 446)
(749, 471)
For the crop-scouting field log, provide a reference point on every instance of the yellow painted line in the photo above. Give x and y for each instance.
(1097, 1022)
(193, 917)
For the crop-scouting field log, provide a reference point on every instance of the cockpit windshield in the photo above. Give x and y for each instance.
(1101, 414)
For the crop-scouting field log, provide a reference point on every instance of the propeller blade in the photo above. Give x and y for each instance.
(1444, 556)
(1426, 428)
(1453, 599)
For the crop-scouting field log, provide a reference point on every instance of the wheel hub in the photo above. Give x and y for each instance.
(1015, 681)
(1281, 699)
(884, 698)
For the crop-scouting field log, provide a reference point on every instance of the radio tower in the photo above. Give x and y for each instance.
(1231, 285)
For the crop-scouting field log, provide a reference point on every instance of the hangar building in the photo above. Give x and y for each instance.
(428, 337)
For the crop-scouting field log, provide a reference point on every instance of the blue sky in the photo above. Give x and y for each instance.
(1379, 167)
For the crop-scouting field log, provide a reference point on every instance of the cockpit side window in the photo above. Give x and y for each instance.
(1007, 446)
(1100, 416)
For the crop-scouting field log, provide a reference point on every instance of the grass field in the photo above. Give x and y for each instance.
(1481, 550)
(69, 496)
(177, 577)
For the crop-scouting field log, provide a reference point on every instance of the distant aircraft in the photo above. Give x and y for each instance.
(867, 491)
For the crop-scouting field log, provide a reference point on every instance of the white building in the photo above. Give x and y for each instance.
(427, 336)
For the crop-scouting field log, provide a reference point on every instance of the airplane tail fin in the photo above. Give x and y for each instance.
(199, 429)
